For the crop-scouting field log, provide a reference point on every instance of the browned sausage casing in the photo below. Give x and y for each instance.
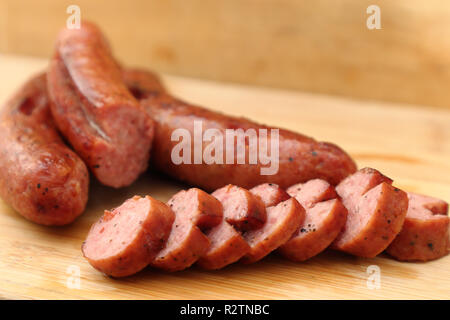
(94, 109)
(300, 158)
(40, 176)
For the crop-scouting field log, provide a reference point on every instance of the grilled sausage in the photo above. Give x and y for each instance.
(271, 194)
(300, 158)
(325, 217)
(283, 219)
(126, 239)
(94, 109)
(194, 210)
(376, 212)
(40, 177)
(425, 234)
(241, 208)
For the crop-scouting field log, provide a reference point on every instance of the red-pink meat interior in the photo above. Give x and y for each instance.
(360, 211)
(310, 192)
(270, 194)
(424, 207)
(276, 217)
(117, 229)
(315, 217)
(220, 235)
(234, 201)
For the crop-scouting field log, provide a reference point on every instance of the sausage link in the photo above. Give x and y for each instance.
(301, 158)
(40, 177)
(94, 109)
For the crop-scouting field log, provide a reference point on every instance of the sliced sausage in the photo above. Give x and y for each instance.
(324, 220)
(226, 247)
(241, 208)
(94, 109)
(283, 220)
(425, 234)
(194, 209)
(270, 193)
(40, 177)
(301, 158)
(126, 239)
(376, 212)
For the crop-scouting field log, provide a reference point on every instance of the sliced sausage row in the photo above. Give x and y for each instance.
(363, 216)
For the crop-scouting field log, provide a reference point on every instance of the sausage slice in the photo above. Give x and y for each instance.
(270, 193)
(40, 177)
(241, 208)
(226, 247)
(94, 109)
(425, 234)
(324, 220)
(283, 219)
(194, 210)
(376, 212)
(126, 239)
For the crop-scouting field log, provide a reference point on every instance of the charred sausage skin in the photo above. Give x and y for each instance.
(40, 177)
(301, 158)
(94, 109)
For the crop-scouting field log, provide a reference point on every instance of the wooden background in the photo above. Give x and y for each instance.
(317, 46)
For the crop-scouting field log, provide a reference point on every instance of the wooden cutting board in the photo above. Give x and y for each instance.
(411, 144)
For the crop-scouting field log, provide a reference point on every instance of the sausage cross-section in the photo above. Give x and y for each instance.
(126, 239)
(284, 217)
(324, 220)
(242, 209)
(40, 177)
(194, 210)
(376, 212)
(425, 233)
(94, 109)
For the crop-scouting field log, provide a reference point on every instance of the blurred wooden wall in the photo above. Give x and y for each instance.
(319, 46)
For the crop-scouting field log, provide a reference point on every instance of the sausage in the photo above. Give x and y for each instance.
(271, 194)
(325, 218)
(241, 208)
(94, 109)
(194, 209)
(425, 234)
(283, 219)
(226, 247)
(40, 177)
(376, 212)
(301, 158)
(126, 239)
(142, 84)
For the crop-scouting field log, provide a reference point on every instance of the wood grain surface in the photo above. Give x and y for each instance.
(411, 144)
(320, 46)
